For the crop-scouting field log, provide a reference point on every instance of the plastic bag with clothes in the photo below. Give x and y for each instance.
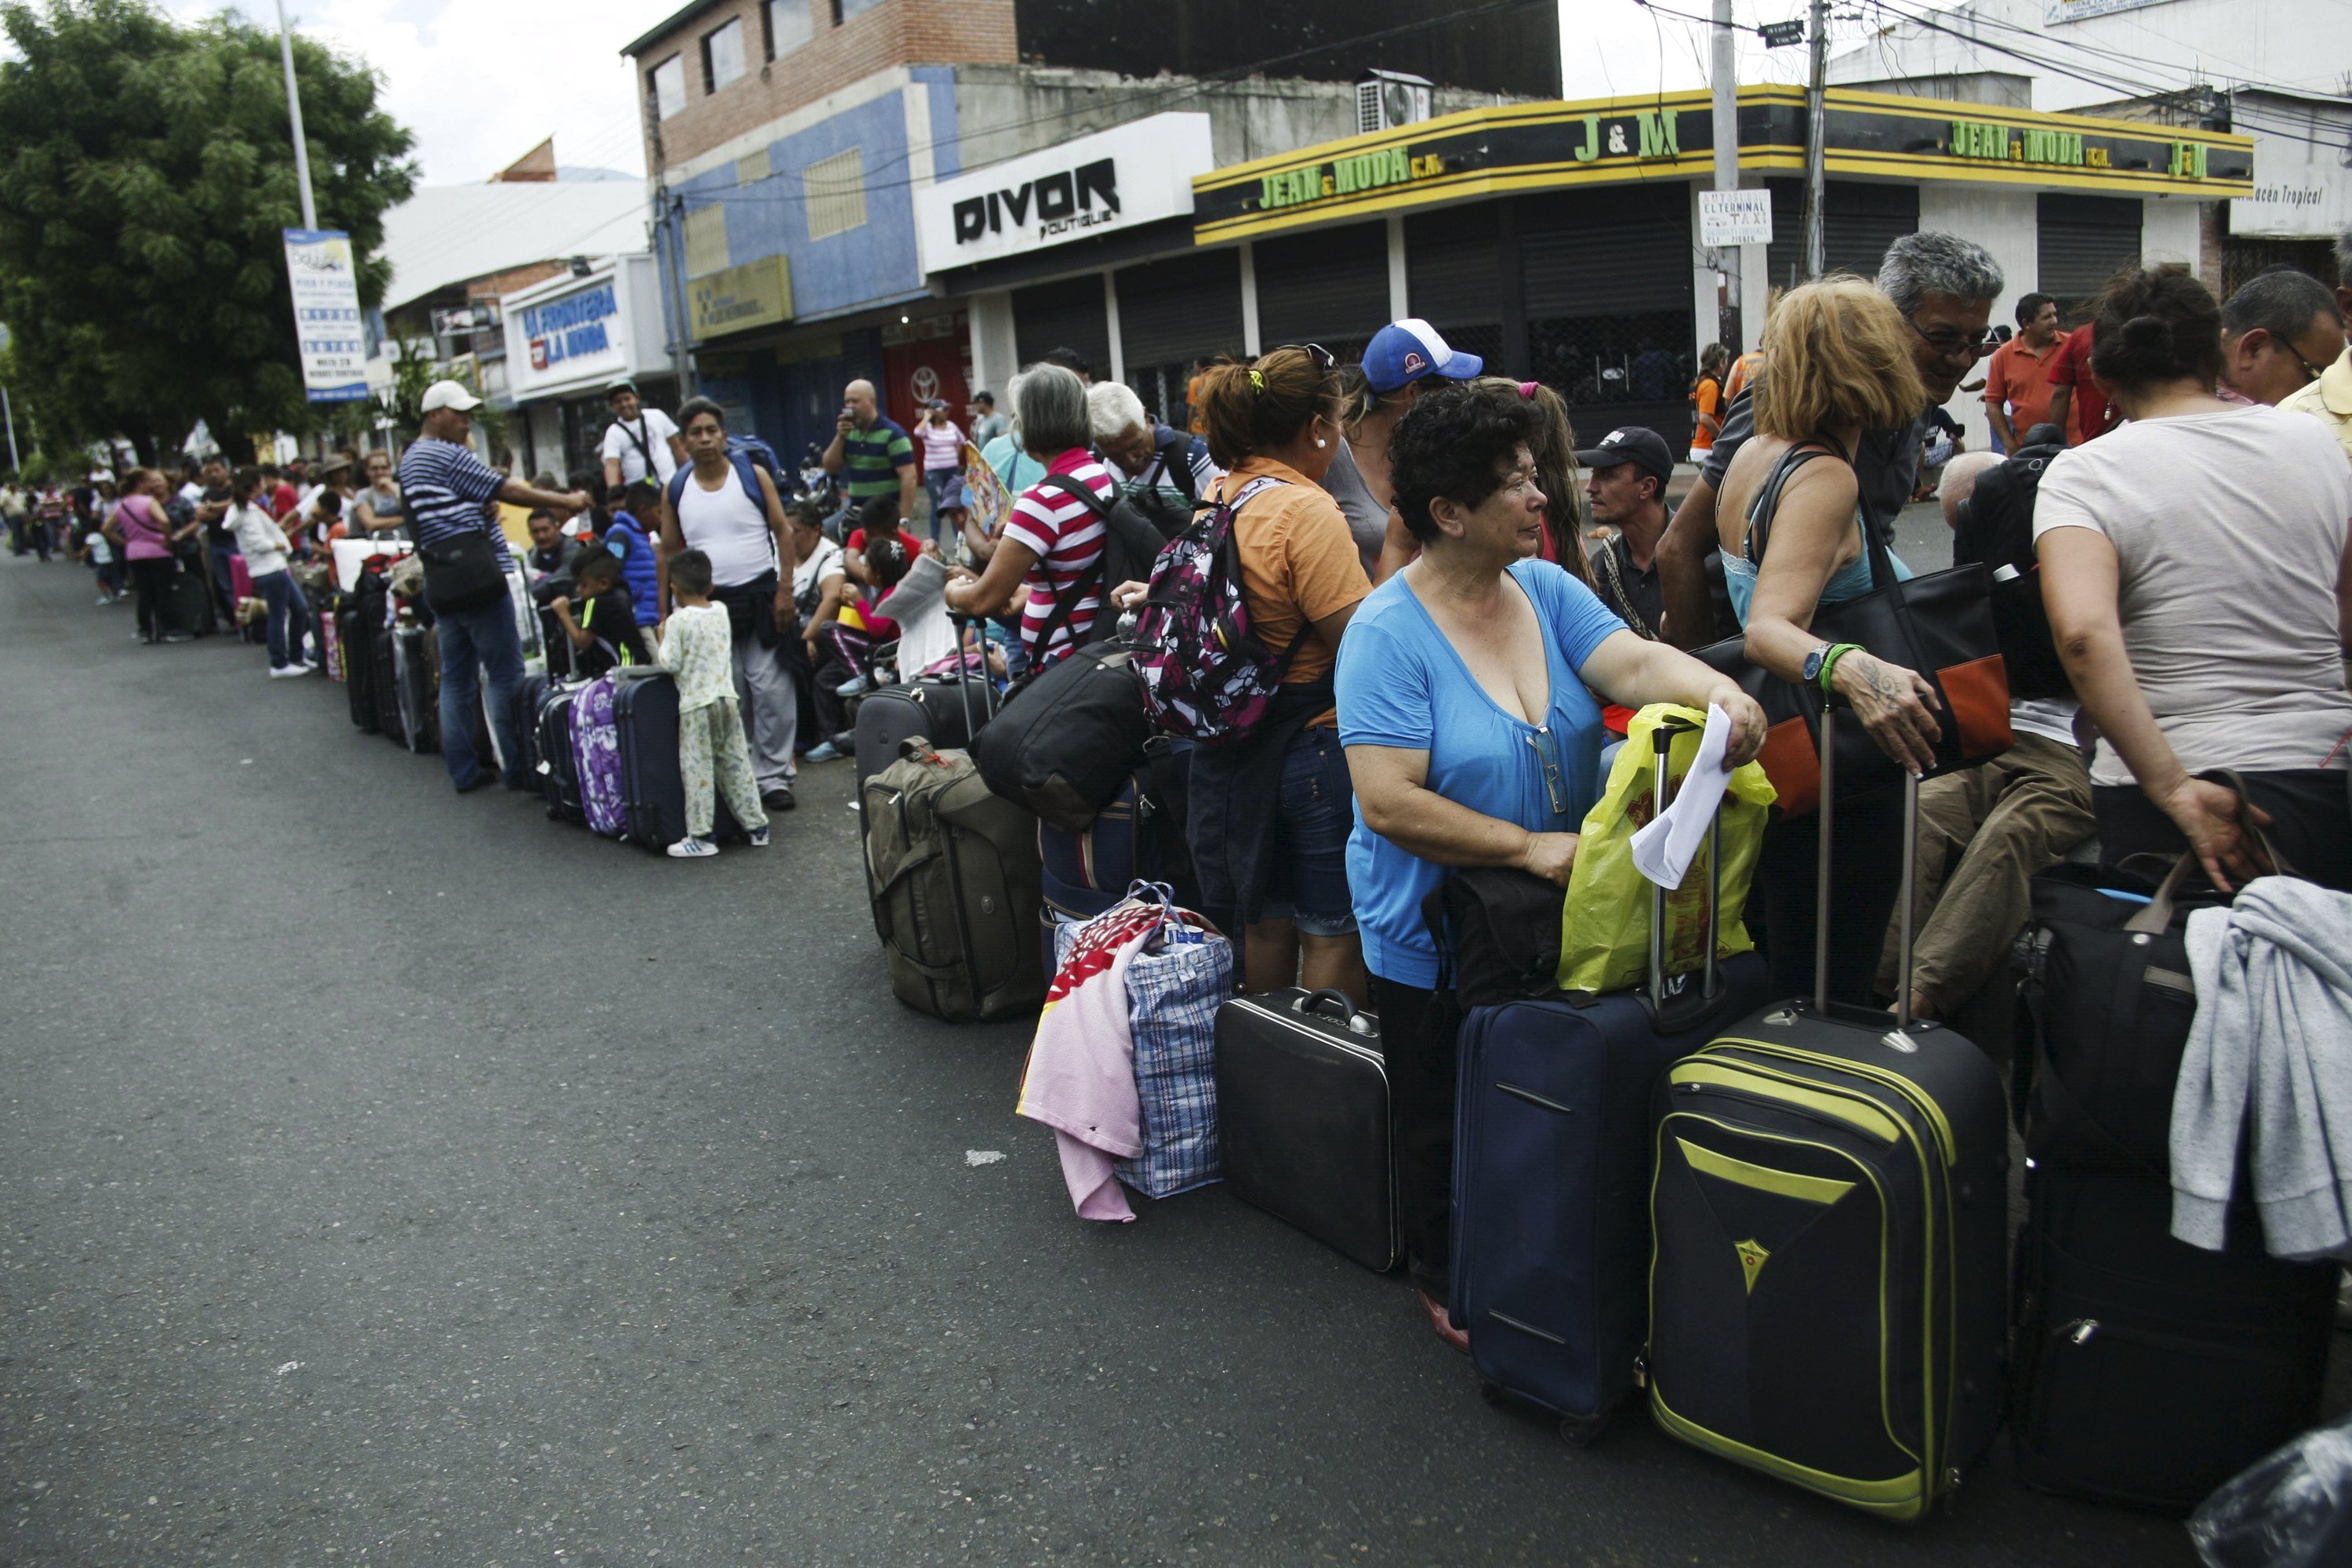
(2292, 1508)
(1605, 923)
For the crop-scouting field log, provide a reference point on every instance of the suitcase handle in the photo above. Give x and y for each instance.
(1313, 1003)
(1662, 740)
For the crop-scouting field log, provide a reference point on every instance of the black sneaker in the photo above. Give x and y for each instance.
(779, 798)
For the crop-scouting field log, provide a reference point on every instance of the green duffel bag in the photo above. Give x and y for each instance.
(953, 873)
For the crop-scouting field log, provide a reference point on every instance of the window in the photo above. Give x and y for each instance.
(722, 56)
(705, 240)
(789, 26)
(667, 81)
(832, 191)
(845, 9)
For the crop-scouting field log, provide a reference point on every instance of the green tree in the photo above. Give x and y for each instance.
(149, 171)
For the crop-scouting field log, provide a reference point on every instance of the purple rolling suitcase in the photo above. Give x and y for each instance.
(596, 759)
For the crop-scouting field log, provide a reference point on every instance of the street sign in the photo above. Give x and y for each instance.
(1735, 218)
(326, 325)
(1780, 35)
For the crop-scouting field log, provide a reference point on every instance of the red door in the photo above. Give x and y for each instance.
(925, 367)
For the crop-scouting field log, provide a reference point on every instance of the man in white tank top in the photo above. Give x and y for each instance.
(746, 538)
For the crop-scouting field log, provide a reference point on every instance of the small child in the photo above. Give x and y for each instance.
(699, 650)
(100, 554)
(630, 537)
(606, 632)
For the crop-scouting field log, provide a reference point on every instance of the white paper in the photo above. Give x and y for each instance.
(918, 604)
(349, 552)
(1664, 849)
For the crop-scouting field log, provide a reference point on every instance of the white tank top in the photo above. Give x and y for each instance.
(728, 526)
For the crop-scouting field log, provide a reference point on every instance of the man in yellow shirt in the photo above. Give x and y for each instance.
(2328, 397)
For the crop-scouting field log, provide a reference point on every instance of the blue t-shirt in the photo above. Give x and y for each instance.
(1401, 684)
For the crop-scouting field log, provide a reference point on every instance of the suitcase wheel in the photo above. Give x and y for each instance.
(1492, 1393)
(1582, 1431)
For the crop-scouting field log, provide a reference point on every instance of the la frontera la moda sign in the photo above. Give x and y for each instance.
(1134, 173)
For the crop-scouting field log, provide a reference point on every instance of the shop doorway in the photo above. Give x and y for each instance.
(923, 360)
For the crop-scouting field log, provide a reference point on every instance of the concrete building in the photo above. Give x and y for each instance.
(1560, 240)
(2279, 71)
(791, 143)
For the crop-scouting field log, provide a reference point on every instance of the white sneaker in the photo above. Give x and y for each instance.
(758, 838)
(691, 850)
(287, 672)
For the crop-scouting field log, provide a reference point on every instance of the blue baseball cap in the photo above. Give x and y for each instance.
(1404, 352)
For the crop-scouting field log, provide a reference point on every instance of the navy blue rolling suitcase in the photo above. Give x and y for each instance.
(652, 788)
(551, 732)
(1140, 834)
(1551, 1173)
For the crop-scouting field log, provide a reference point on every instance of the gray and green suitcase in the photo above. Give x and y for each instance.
(1828, 1279)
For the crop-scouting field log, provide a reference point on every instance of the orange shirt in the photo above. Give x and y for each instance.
(2020, 378)
(1707, 402)
(1742, 370)
(1298, 564)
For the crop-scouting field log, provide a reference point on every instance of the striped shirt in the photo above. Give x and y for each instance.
(444, 485)
(1068, 540)
(873, 456)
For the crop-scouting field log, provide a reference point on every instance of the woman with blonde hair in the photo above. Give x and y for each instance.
(1791, 528)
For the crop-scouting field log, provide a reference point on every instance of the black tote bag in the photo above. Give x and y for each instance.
(1939, 624)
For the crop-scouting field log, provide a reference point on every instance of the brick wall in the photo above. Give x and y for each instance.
(514, 280)
(896, 32)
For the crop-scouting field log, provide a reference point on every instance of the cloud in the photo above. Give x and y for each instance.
(1617, 49)
(479, 83)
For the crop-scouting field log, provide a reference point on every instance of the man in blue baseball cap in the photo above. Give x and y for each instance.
(1402, 358)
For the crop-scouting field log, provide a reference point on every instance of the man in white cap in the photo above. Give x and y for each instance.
(450, 495)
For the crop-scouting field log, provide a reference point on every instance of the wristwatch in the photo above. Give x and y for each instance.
(1813, 662)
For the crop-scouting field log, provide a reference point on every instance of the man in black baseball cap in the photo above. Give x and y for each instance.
(1625, 482)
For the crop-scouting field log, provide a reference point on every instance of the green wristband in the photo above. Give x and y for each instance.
(1829, 661)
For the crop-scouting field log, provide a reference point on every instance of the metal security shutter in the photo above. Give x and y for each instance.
(1858, 223)
(1331, 286)
(1185, 308)
(2082, 241)
(1066, 315)
(1617, 252)
(1453, 274)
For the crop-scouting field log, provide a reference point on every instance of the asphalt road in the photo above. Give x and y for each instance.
(393, 1177)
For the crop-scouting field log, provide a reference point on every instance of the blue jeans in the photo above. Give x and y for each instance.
(224, 581)
(942, 486)
(475, 643)
(284, 596)
(1313, 816)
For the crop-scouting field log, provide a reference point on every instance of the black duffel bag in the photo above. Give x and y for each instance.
(1498, 932)
(1939, 625)
(1064, 744)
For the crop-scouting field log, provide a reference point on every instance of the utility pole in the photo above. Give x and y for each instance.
(15, 463)
(294, 113)
(672, 262)
(1727, 148)
(1817, 137)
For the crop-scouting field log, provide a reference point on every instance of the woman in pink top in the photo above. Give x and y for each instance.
(141, 530)
(942, 446)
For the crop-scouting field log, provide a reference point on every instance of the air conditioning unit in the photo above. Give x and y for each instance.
(1386, 100)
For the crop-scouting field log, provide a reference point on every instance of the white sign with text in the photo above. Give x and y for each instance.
(1735, 218)
(1130, 174)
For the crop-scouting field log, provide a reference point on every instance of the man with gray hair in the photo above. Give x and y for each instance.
(2278, 333)
(1943, 286)
(2329, 395)
(1148, 455)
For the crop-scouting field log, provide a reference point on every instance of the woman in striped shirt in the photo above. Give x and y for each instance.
(1049, 559)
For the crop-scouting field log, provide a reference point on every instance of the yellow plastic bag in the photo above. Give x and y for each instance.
(1605, 923)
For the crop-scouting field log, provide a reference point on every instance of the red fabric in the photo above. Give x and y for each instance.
(2092, 415)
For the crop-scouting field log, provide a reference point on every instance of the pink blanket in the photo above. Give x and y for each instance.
(1080, 1080)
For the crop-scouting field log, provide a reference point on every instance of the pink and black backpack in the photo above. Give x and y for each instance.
(1206, 675)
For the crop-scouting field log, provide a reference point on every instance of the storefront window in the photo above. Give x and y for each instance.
(1632, 369)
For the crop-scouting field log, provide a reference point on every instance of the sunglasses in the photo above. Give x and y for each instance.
(1952, 342)
(1545, 747)
(1322, 356)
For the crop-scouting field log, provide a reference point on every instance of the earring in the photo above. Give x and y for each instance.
(1321, 442)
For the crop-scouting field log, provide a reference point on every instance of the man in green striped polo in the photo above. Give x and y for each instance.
(876, 455)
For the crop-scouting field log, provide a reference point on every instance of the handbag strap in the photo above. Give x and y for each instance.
(2157, 915)
(1767, 505)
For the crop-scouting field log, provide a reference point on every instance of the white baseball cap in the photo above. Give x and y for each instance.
(449, 394)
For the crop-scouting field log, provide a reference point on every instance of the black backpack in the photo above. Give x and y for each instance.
(1131, 537)
(1995, 526)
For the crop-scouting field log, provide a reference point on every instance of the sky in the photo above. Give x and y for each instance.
(481, 82)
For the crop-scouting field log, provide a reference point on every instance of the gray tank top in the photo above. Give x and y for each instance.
(1368, 519)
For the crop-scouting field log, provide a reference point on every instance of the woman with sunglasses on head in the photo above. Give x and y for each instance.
(1269, 816)
(2196, 567)
(1473, 740)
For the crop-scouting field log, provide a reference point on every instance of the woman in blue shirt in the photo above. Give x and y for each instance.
(1838, 359)
(1472, 741)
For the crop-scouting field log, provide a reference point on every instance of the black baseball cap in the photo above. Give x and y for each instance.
(1632, 443)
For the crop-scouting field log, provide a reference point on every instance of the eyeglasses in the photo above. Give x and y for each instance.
(1952, 342)
(1323, 357)
(2311, 372)
(1541, 743)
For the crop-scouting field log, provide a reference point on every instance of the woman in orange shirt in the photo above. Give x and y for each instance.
(1708, 400)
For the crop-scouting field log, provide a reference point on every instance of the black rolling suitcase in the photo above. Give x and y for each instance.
(558, 781)
(413, 672)
(356, 649)
(1303, 1120)
(653, 789)
(187, 604)
(2147, 1371)
(1829, 1206)
(945, 710)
